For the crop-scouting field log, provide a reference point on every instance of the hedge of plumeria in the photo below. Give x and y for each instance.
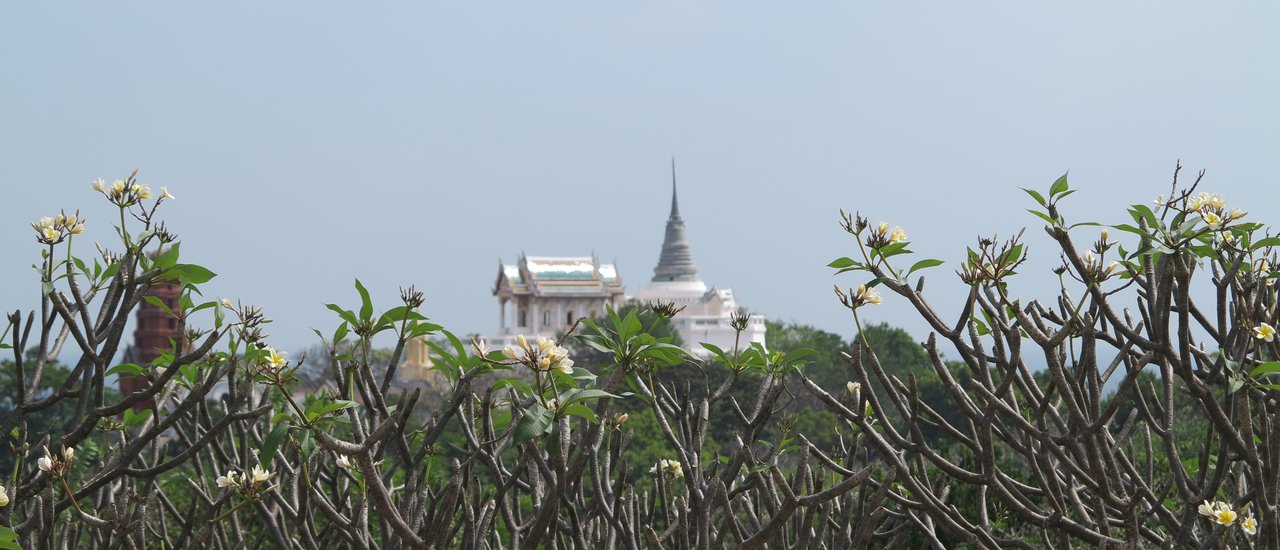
(525, 448)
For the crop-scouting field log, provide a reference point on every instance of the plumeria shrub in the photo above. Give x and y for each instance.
(214, 443)
(1140, 407)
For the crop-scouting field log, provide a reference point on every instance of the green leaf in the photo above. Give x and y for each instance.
(982, 327)
(580, 373)
(134, 418)
(366, 305)
(128, 368)
(1261, 243)
(1265, 369)
(1035, 195)
(630, 326)
(1044, 217)
(158, 302)
(318, 409)
(840, 263)
(401, 313)
(583, 411)
(797, 354)
(271, 443)
(186, 298)
(924, 264)
(418, 329)
(111, 271)
(347, 316)
(535, 422)
(8, 539)
(1131, 229)
(190, 274)
(340, 333)
(168, 258)
(81, 266)
(1140, 212)
(515, 383)
(585, 395)
(712, 348)
(1233, 385)
(1059, 185)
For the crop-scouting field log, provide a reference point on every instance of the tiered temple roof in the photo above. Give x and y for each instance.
(559, 276)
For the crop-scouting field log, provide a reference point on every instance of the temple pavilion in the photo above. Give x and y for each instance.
(543, 295)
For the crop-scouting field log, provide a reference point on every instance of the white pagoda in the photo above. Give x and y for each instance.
(707, 311)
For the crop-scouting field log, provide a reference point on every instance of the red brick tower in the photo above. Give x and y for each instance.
(152, 335)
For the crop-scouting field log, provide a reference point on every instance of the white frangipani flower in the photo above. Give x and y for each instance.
(1264, 331)
(345, 462)
(1249, 525)
(45, 462)
(511, 352)
(1225, 515)
(897, 235)
(1211, 219)
(230, 479)
(258, 475)
(277, 358)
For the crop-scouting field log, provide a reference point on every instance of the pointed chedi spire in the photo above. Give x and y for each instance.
(676, 262)
(675, 204)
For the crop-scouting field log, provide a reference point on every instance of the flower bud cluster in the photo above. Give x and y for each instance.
(852, 223)
(54, 230)
(1212, 208)
(1094, 271)
(124, 193)
(857, 298)
(668, 469)
(249, 483)
(57, 465)
(666, 310)
(249, 328)
(1221, 513)
(544, 355)
(412, 297)
(883, 236)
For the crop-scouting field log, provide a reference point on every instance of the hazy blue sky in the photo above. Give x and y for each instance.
(309, 143)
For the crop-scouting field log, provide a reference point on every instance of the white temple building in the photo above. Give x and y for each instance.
(707, 310)
(543, 296)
